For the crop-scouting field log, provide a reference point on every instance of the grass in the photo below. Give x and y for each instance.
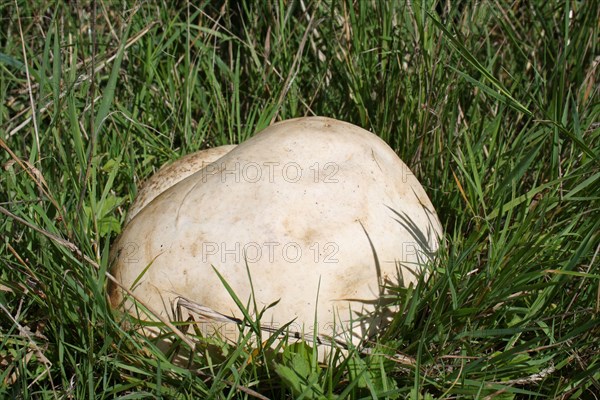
(494, 105)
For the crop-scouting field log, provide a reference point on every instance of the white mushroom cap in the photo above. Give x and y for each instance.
(314, 205)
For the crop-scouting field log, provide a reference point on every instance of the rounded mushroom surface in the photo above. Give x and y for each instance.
(316, 215)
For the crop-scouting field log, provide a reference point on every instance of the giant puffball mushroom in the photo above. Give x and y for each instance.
(316, 215)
